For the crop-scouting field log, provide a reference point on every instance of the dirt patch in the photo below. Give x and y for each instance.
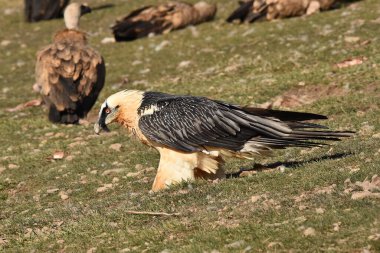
(305, 95)
(366, 189)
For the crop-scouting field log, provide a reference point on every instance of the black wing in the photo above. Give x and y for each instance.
(36, 10)
(190, 123)
(131, 27)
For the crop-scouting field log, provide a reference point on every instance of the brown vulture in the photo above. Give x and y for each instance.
(194, 134)
(69, 73)
(36, 10)
(252, 10)
(162, 19)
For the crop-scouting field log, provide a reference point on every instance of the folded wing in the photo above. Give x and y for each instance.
(191, 124)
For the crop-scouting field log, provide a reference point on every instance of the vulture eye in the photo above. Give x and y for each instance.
(108, 110)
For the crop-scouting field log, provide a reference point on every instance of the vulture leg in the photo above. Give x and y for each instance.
(174, 167)
(66, 117)
(54, 114)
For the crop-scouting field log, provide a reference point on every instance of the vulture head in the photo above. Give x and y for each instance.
(72, 14)
(111, 109)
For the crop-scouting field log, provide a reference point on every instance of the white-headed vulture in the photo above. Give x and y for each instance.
(194, 134)
(252, 10)
(69, 73)
(162, 19)
(36, 10)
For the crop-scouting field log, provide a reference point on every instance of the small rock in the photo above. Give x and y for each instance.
(108, 40)
(63, 195)
(184, 64)
(144, 71)
(116, 146)
(112, 171)
(248, 32)
(237, 244)
(375, 237)
(91, 250)
(149, 169)
(255, 198)
(309, 232)
(53, 190)
(274, 244)
(248, 173)
(5, 43)
(139, 166)
(160, 46)
(133, 174)
(2, 169)
(282, 168)
(365, 194)
(115, 180)
(319, 210)
(13, 166)
(351, 39)
(58, 155)
(302, 207)
(3, 241)
(104, 188)
(113, 224)
(69, 158)
(136, 62)
(336, 226)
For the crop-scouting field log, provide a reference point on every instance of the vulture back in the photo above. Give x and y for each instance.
(70, 75)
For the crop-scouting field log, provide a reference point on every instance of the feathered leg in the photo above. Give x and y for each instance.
(174, 167)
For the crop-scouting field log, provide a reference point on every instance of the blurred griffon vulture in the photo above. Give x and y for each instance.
(252, 10)
(194, 134)
(69, 73)
(162, 19)
(36, 10)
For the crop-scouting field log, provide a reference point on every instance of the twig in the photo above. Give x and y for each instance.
(152, 213)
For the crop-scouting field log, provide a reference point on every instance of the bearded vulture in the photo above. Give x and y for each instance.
(69, 73)
(194, 134)
(252, 10)
(36, 10)
(162, 19)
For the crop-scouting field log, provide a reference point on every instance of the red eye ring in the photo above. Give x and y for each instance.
(108, 110)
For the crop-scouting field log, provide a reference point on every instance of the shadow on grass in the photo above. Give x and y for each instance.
(291, 165)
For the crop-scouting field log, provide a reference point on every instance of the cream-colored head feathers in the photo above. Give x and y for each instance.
(121, 97)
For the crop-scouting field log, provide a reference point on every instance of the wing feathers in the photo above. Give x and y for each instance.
(70, 73)
(194, 123)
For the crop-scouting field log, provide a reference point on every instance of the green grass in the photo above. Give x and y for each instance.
(244, 64)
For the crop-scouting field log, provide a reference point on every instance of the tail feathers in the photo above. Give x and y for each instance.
(64, 117)
(127, 31)
(283, 115)
(305, 139)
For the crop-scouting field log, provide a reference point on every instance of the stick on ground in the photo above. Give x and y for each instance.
(152, 213)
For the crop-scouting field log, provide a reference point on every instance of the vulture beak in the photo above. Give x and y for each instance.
(99, 126)
(105, 119)
(84, 9)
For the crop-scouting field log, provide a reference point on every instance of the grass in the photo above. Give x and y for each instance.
(244, 64)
